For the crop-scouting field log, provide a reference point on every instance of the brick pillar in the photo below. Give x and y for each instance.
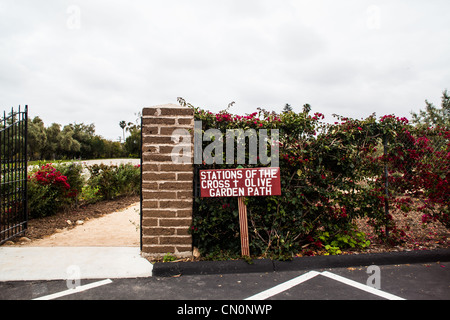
(167, 186)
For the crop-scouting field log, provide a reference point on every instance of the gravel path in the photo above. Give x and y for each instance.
(117, 229)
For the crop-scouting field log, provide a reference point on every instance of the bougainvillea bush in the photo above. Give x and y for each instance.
(331, 175)
(48, 192)
(419, 165)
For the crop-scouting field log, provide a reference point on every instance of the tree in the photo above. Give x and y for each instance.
(68, 145)
(60, 143)
(51, 147)
(132, 144)
(433, 116)
(123, 125)
(287, 107)
(37, 138)
(75, 141)
(84, 134)
(98, 148)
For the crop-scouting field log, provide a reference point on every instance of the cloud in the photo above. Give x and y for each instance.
(100, 62)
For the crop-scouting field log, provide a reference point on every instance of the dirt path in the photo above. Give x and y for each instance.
(117, 229)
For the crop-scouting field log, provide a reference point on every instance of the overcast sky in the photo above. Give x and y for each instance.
(103, 61)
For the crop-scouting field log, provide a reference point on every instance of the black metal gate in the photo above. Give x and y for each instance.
(13, 174)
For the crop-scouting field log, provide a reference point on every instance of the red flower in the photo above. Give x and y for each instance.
(48, 175)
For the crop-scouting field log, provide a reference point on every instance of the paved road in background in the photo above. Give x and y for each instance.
(111, 161)
(99, 161)
(104, 161)
(430, 281)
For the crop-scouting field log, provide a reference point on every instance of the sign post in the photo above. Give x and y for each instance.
(240, 183)
(243, 224)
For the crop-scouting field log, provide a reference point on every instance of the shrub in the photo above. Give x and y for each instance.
(103, 177)
(113, 181)
(419, 163)
(129, 179)
(89, 194)
(74, 173)
(48, 191)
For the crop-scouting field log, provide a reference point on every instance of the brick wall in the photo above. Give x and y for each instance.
(167, 186)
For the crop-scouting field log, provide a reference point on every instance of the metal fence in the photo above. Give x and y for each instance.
(13, 174)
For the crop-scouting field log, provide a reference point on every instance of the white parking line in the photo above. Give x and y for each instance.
(284, 286)
(75, 290)
(307, 276)
(361, 286)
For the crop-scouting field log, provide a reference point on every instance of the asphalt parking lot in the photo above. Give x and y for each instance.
(420, 281)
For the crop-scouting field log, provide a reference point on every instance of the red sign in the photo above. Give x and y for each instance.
(251, 182)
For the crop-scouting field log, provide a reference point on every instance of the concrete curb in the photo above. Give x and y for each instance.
(304, 263)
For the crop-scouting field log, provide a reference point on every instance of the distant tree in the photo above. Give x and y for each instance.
(77, 141)
(113, 149)
(84, 134)
(306, 108)
(37, 138)
(68, 146)
(123, 125)
(99, 149)
(132, 144)
(51, 147)
(287, 107)
(61, 144)
(432, 115)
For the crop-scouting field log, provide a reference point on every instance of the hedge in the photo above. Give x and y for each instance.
(331, 174)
